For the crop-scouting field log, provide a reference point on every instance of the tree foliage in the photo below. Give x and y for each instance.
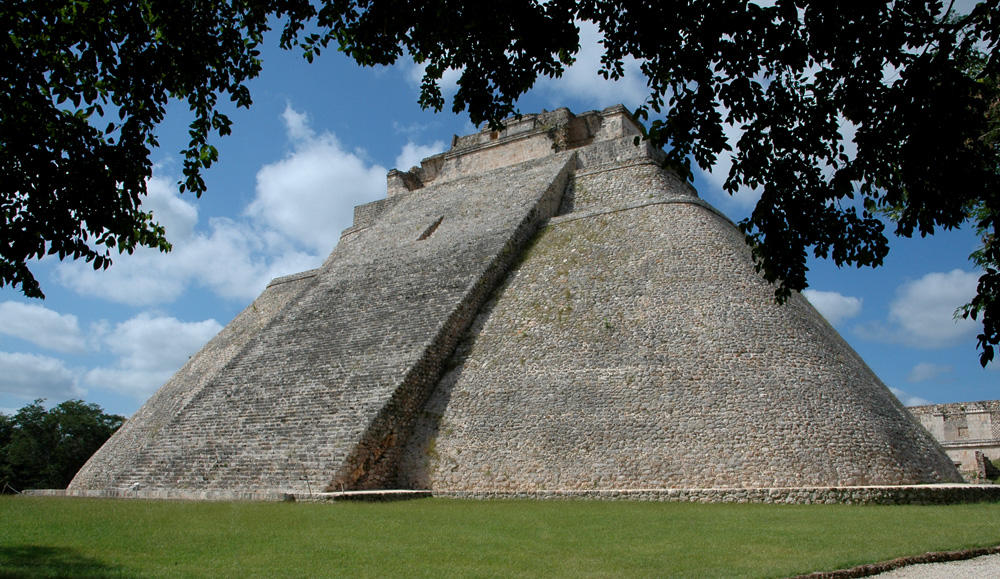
(86, 84)
(851, 116)
(45, 448)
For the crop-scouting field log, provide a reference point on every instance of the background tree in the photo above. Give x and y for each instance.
(912, 80)
(45, 448)
(6, 429)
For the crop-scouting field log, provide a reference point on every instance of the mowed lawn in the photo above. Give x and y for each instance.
(451, 538)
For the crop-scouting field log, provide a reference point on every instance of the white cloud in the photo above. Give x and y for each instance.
(922, 313)
(309, 196)
(31, 376)
(146, 276)
(297, 125)
(909, 399)
(581, 80)
(237, 259)
(302, 204)
(835, 307)
(175, 214)
(41, 326)
(925, 371)
(149, 350)
(136, 279)
(848, 131)
(232, 260)
(924, 310)
(412, 154)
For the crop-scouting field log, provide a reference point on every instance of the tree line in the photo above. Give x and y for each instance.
(43, 449)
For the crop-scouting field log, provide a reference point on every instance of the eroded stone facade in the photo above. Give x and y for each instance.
(963, 429)
(539, 309)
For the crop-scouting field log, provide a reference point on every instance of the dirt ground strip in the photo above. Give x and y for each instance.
(946, 564)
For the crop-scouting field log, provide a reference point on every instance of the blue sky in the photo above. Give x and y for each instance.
(319, 140)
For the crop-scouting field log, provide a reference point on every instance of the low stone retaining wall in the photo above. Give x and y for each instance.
(866, 495)
(870, 495)
(266, 496)
(169, 495)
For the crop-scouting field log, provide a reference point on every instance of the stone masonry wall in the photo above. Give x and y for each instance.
(964, 428)
(943, 494)
(634, 347)
(850, 495)
(321, 396)
(108, 468)
(538, 310)
(485, 159)
(530, 137)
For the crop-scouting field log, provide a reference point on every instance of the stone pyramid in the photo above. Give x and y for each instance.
(541, 308)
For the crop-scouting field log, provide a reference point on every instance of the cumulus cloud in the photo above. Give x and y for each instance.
(236, 259)
(41, 326)
(302, 203)
(835, 307)
(413, 153)
(922, 314)
(147, 276)
(297, 124)
(31, 376)
(925, 371)
(309, 196)
(177, 216)
(233, 259)
(148, 350)
(581, 80)
(909, 399)
(136, 279)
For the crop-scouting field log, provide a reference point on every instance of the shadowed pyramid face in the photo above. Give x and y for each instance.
(543, 308)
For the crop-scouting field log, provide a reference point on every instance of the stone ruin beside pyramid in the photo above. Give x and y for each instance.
(538, 309)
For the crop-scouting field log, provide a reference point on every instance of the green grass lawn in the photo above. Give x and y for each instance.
(439, 537)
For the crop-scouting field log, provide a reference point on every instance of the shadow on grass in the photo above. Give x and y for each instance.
(39, 561)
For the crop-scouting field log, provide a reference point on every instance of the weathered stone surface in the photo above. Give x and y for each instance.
(965, 429)
(635, 347)
(541, 310)
(926, 494)
(320, 392)
(108, 467)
